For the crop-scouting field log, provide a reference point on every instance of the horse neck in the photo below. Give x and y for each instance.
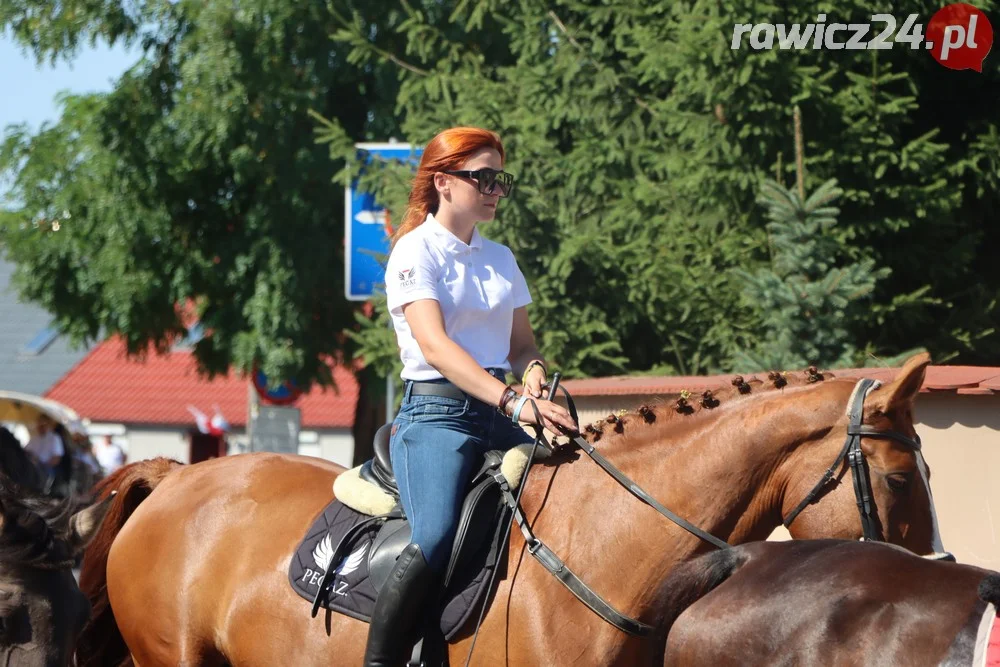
(720, 470)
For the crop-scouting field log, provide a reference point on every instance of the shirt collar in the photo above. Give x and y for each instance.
(449, 240)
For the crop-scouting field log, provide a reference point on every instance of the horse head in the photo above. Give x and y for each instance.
(887, 479)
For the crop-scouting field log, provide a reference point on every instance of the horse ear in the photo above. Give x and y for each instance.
(85, 524)
(901, 392)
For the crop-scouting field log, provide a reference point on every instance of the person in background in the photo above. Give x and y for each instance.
(109, 455)
(46, 448)
(84, 453)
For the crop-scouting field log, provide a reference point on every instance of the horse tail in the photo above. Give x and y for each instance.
(989, 589)
(698, 577)
(101, 642)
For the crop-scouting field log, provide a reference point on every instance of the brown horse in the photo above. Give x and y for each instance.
(196, 557)
(827, 602)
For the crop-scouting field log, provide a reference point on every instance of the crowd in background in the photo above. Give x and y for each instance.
(58, 463)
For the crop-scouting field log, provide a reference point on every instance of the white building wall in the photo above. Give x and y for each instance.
(146, 442)
(337, 446)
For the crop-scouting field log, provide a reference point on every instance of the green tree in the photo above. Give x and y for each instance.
(807, 302)
(638, 135)
(197, 179)
(196, 187)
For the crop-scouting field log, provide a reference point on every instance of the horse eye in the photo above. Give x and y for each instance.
(899, 482)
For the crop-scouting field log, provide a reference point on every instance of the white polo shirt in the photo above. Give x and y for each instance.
(478, 285)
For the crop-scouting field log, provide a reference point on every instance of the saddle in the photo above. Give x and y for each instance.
(479, 516)
(349, 551)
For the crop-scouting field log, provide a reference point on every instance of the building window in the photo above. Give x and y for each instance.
(41, 341)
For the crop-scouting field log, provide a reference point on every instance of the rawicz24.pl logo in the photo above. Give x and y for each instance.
(959, 36)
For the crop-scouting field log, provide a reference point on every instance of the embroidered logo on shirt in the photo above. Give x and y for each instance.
(406, 278)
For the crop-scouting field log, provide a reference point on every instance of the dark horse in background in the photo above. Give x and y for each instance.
(42, 610)
(828, 602)
(16, 464)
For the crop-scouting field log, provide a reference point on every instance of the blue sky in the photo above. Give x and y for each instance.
(29, 90)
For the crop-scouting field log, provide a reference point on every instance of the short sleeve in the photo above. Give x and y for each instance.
(521, 295)
(411, 273)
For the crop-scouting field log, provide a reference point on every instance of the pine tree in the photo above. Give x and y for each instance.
(808, 303)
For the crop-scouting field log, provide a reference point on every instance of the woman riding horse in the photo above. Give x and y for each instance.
(459, 308)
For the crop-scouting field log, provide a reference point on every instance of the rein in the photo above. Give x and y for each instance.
(548, 558)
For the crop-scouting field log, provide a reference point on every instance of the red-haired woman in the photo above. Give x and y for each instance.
(458, 305)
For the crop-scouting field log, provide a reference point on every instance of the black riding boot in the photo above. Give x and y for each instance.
(402, 597)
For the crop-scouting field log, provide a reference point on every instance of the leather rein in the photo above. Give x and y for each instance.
(551, 562)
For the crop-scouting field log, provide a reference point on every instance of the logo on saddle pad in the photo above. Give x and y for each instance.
(322, 555)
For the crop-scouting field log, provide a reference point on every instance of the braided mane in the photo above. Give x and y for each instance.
(661, 411)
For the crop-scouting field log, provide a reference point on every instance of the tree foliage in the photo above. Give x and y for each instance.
(808, 304)
(197, 183)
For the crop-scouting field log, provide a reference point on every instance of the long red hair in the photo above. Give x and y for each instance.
(447, 151)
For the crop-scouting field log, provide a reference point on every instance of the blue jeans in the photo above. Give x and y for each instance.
(436, 445)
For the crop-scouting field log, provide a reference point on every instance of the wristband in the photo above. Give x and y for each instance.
(505, 398)
(517, 409)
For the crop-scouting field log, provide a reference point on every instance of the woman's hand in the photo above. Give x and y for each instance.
(555, 417)
(533, 381)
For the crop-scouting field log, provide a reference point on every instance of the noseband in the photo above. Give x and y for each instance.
(856, 460)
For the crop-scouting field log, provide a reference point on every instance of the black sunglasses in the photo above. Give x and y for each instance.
(488, 180)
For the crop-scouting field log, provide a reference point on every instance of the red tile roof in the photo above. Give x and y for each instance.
(105, 386)
(958, 379)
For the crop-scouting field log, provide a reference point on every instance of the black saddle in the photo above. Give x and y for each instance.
(378, 470)
(346, 557)
(478, 521)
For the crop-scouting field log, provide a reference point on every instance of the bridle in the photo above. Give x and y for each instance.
(859, 469)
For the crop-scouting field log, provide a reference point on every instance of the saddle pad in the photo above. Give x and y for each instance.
(352, 592)
(987, 651)
(993, 650)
